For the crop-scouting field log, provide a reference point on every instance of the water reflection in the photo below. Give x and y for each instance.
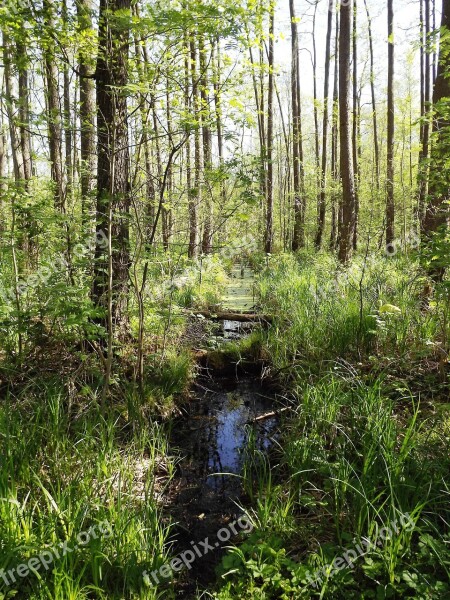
(215, 433)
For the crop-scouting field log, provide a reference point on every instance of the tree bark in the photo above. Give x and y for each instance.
(53, 107)
(3, 173)
(207, 148)
(390, 206)
(192, 200)
(425, 108)
(315, 102)
(86, 68)
(298, 238)
(323, 181)
(437, 212)
(376, 145)
(196, 191)
(24, 108)
(355, 121)
(113, 182)
(217, 66)
(346, 157)
(19, 173)
(335, 212)
(268, 236)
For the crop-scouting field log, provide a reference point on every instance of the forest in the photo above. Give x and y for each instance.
(224, 299)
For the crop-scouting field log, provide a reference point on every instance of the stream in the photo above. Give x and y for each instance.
(211, 438)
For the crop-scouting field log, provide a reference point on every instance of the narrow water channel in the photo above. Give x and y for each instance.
(211, 438)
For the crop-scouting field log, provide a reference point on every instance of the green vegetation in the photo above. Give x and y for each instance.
(65, 469)
(166, 167)
(358, 448)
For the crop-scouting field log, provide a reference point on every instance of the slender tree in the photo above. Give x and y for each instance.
(53, 104)
(335, 205)
(86, 68)
(189, 64)
(326, 86)
(426, 77)
(207, 147)
(355, 120)
(346, 153)
(390, 206)
(268, 234)
(196, 191)
(24, 105)
(315, 98)
(376, 144)
(298, 238)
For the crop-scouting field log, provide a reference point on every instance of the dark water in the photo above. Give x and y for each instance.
(211, 439)
(216, 428)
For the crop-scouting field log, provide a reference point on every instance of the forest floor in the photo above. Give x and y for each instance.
(181, 469)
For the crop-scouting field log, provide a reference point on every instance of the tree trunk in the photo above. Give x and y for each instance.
(268, 236)
(355, 122)
(217, 66)
(19, 172)
(3, 169)
(86, 112)
(334, 145)
(167, 211)
(376, 146)
(53, 108)
(24, 110)
(192, 200)
(323, 182)
(196, 192)
(207, 148)
(113, 183)
(68, 134)
(437, 212)
(390, 207)
(315, 102)
(425, 108)
(298, 238)
(157, 148)
(346, 158)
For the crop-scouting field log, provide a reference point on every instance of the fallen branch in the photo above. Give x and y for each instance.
(268, 415)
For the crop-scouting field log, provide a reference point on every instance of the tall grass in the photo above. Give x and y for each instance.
(64, 470)
(359, 450)
(351, 462)
(325, 312)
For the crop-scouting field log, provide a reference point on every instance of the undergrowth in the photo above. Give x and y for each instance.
(361, 448)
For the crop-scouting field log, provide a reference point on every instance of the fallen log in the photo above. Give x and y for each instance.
(230, 316)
